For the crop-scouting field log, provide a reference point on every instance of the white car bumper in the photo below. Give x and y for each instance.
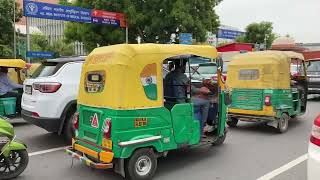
(313, 162)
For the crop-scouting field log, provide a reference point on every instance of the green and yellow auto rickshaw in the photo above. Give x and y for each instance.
(15, 74)
(263, 88)
(124, 121)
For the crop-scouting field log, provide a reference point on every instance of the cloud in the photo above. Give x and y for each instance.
(299, 19)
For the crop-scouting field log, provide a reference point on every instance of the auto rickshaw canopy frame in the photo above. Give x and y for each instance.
(123, 66)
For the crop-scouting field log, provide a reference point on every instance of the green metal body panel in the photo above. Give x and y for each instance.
(6, 128)
(282, 100)
(13, 146)
(222, 115)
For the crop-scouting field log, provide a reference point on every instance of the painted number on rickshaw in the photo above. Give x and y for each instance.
(140, 122)
(94, 121)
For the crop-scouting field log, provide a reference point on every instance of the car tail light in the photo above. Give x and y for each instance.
(76, 121)
(315, 133)
(267, 100)
(47, 87)
(107, 128)
(35, 114)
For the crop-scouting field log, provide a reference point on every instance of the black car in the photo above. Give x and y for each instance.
(313, 72)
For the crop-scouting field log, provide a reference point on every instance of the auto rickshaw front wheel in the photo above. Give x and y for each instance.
(283, 123)
(220, 140)
(232, 122)
(142, 165)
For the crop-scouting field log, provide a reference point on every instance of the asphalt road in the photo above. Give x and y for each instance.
(249, 152)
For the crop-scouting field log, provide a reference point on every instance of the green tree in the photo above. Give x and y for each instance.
(6, 26)
(258, 33)
(60, 48)
(147, 19)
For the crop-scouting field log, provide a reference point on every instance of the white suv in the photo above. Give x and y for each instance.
(49, 97)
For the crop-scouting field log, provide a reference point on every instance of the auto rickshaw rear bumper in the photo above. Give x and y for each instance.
(80, 152)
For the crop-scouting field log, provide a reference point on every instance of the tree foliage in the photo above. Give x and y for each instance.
(258, 33)
(152, 20)
(6, 26)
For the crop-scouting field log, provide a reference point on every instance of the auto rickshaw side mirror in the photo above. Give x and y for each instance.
(227, 98)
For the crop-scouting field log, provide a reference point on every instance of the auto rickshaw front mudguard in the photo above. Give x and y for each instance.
(13, 146)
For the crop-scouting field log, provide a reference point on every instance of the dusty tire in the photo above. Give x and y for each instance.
(142, 165)
(20, 166)
(220, 140)
(68, 129)
(232, 122)
(283, 123)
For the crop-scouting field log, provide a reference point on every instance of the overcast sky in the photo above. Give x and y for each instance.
(298, 18)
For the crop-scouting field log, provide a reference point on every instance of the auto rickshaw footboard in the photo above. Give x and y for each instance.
(83, 158)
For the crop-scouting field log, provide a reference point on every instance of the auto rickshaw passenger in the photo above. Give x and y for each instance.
(176, 87)
(7, 87)
(176, 82)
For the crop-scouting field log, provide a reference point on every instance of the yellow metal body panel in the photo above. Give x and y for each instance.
(106, 157)
(123, 65)
(273, 66)
(267, 111)
(14, 63)
(87, 151)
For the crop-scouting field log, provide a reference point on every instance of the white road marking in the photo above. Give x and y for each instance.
(284, 168)
(47, 151)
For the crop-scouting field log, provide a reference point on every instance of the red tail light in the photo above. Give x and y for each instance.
(315, 133)
(47, 87)
(107, 128)
(267, 100)
(224, 77)
(35, 114)
(76, 121)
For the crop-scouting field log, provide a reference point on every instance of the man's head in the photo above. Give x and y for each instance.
(3, 69)
(180, 65)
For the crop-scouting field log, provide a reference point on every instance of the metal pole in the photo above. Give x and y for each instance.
(28, 37)
(127, 34)
(14, 30)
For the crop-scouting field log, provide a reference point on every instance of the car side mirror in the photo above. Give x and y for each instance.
(227, 98)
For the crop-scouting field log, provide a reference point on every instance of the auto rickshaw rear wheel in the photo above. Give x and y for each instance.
(141, 165)
(232, 121)
(283, 123)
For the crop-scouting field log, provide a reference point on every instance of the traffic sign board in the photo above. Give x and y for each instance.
(185, 38)
(40, 54)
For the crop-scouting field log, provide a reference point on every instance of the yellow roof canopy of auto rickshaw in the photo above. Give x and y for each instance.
(124, 66)
(273, 68)
(13, 63)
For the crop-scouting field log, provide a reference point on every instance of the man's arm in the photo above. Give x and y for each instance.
(12, 84)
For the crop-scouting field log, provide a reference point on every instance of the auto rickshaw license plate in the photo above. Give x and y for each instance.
(107, 143)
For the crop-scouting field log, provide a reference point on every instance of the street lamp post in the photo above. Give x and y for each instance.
(14, 30)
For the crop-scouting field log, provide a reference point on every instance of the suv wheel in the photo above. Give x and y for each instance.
(69, 131)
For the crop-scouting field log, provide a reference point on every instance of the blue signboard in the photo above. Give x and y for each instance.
(111, 22)
(57, 12)
(185, 38)
(40, 54)
(229, 34)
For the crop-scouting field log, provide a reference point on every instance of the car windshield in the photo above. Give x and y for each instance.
(207, 69)
(47, 69)
(314, 66)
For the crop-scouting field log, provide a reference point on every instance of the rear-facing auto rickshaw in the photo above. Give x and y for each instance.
(124, 120)
(15, 67)
(263, 89)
